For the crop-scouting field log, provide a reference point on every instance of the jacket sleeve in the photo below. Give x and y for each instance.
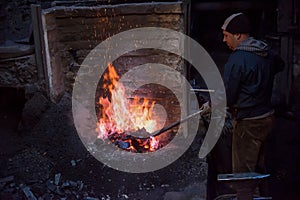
(232, 77)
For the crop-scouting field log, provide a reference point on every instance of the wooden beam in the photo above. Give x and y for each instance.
(39, 42)
(229, 5)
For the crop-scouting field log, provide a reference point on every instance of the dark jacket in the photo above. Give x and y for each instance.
(248, 77)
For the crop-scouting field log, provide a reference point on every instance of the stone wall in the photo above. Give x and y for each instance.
(15, 20)
(18, 72)
(17, 57)
(73, 32)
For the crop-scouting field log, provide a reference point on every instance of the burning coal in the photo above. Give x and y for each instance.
(120, 116)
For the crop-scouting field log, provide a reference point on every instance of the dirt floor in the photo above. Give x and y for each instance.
(31, 159)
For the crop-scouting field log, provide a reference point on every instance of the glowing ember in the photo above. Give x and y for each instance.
(120, 115)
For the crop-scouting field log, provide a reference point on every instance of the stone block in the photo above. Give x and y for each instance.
(33, 111)
(176, 196)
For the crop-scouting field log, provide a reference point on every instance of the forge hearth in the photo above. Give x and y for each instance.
(68, 34)
(131, 123)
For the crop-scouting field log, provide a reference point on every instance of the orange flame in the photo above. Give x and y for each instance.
(120, 114)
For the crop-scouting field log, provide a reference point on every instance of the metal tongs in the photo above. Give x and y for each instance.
(166, 128)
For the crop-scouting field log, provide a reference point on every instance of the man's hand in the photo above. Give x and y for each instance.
(206, 108)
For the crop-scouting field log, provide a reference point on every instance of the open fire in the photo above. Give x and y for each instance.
(120, 117)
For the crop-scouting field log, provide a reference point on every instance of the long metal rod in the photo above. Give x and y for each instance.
(166, 128)
(202, 90)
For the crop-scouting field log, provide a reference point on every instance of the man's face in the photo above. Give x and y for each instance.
(230, 39)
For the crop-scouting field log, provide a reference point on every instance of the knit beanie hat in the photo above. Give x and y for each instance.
(237, 23)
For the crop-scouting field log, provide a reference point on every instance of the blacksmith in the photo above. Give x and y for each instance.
(248, 77)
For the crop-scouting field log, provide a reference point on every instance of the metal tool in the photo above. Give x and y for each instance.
(243, 183)
(159, 132)
(202, 90)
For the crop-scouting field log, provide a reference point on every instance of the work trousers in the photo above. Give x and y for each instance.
(248, 142)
